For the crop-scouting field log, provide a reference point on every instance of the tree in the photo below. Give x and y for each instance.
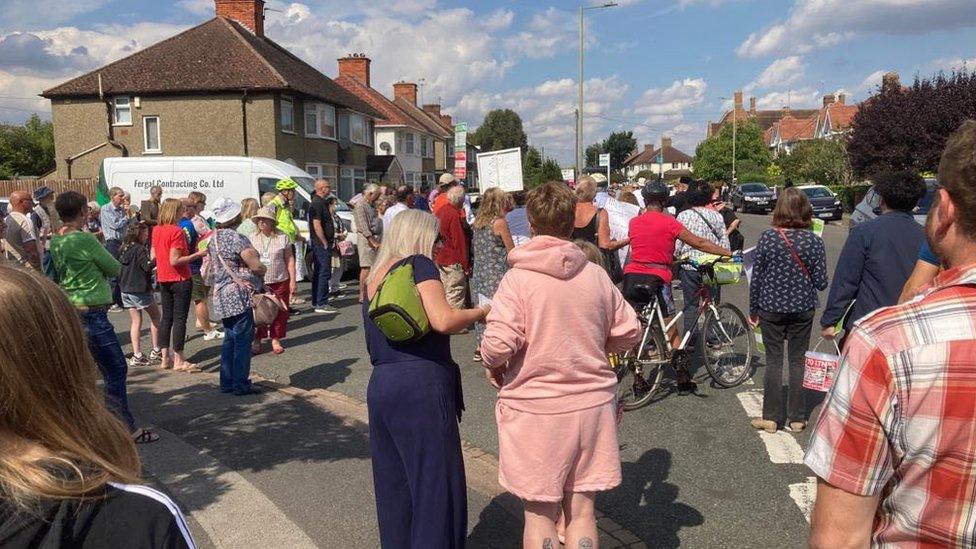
(646, 174)
(536, 171)
(593, 153)
(619, 145)
(713, 157)
(820, 161)
(906, 128)
(27, 149)
(501, 129)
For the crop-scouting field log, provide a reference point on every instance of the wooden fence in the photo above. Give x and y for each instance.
(86, 187)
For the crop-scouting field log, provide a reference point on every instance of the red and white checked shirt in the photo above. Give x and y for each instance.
(900, 420)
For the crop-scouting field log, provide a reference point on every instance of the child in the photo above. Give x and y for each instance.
(135, 281)
(555, 317)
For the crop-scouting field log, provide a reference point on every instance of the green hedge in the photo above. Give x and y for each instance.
(850, 195)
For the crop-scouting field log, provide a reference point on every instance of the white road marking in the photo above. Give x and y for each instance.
(805, 495)
(782, 447)
(752, 402)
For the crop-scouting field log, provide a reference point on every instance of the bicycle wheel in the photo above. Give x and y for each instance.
(726, 343)
(639, 379)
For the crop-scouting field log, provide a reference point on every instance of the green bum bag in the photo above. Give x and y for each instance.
(396, 308)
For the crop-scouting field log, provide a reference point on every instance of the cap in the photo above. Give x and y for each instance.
(265, 213)
(225, 209)
(446, 179)
(42, 192)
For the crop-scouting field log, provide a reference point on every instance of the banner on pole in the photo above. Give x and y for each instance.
(461, 150)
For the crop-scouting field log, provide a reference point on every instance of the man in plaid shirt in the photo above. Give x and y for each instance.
(895, 446)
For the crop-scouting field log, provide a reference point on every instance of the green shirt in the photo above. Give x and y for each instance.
(83, 266)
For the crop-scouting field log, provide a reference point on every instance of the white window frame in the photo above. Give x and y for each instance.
(291, 108)
(329, 110)
(145, 135)
(410, 144)
(423, 146)
(409, 179)
(322, 170)
(430, 147)
(354, 120)
(116, 108)
(320, 111)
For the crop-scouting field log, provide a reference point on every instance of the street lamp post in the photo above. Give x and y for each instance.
(579, 111)
(734, 131)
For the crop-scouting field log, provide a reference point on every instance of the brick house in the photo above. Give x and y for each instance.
(660, 160)
(415, 137)
(220, 88)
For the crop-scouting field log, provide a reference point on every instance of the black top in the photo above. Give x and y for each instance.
(136, 274)
(319, 210)
(679, 202)
(736, 240)
(589, 231)
(125, 516)
(779, 284)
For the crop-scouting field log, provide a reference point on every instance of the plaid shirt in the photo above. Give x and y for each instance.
(901, 418)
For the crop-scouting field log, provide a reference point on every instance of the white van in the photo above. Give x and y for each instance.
(235, 177)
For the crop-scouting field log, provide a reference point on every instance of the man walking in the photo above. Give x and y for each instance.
(368, 227)
(21, 243)
(879, 255)
(149, 209)
(452, 258)
(46, 223)
(192, 206)
(443, 185)
(114, 224)
(404, 196)
(322, 235)
(895, 447)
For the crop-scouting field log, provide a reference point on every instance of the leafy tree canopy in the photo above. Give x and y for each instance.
(536, 170)
(713, 157)
(618, 144)
(819, 161)
(26, 149)
(501, 129)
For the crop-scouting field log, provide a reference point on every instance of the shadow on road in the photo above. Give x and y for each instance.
(498, 526)
(324, 375)
(646, 503)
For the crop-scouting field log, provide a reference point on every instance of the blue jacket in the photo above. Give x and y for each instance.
(874, 265)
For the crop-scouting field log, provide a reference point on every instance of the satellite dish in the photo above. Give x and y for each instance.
(385, 147)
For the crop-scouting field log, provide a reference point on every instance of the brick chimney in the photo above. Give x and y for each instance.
(890, 82)
(752, 106)
(433, 109)
(406, 90)
(738, 100)
(665, 142)
(648, 147)
(249, 13)
(828, 99)
(356, 67)
(786, 111)
(841, 98)
(447, 120)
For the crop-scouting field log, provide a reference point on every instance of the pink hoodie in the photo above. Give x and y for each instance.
(553, 319)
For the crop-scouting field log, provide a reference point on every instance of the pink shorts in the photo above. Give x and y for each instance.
(543, 456)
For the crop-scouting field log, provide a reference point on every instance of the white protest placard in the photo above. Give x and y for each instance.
(569, 175)
(748, 262)
(502, 169)
(620, 214)
(518, 225)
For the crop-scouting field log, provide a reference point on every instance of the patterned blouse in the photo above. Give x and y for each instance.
(490, 262)
(707, 224)
(272, 251)
(229, 298)
(779, 283)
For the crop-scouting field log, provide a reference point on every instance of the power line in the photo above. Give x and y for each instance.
(21, 110)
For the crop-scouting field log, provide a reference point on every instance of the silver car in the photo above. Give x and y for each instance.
(870, 206)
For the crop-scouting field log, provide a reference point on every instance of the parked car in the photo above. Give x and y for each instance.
(752, 197)
(826, 204)
(870, 207)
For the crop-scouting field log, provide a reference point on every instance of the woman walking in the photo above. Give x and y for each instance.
(492, 241)
(69, 471)
(790, 268)
(136, 284)
(555, 317)
(592, 224)
(172, 254)
(414, 402)
(249, 207)
(237, 267)
(279, 278)
(338, 261)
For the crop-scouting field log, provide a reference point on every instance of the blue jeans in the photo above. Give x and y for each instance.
(107, 352)
(113, 247)
(235, 354)
(321, 275)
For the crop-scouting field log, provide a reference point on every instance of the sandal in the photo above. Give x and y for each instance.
(277, 350)
(189, 368)
(763, 424)
(166, 365)
(144, 436)
(798, 426)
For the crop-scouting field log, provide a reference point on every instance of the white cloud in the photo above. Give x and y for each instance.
(871, 83)
(661, 105)
(197, 7)
(803, 98)
(548, 33)
(27, 14)
(815, 24)
(954, 63)
(499, 20)
(780, 73)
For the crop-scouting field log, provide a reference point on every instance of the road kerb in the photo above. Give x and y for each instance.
(480, 466)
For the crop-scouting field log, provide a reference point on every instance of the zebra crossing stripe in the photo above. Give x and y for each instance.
(805, 495)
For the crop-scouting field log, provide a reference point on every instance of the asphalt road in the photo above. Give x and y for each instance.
(695, 473)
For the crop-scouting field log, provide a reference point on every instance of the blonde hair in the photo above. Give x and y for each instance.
(171, 211)
(267, 197)
(585, 189)
(628, 197)
(493, 204)
(413, 232)
(249, 207)
(57, 438)
(592, 253)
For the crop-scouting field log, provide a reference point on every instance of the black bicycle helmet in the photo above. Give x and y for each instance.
(655, 191)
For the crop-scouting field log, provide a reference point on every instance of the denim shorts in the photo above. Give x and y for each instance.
(138, 301)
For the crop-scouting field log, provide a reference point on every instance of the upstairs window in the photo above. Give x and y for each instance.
(287, 116)
(409, 143)
(122, 111)
(150, 133)
(320, 120)
(423, 147)
(357, 129)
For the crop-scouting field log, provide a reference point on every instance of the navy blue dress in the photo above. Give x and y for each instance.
(414, 402)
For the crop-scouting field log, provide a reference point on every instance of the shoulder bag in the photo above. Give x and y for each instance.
(718, 235)
(396, 307)
(796, 256)
(265, 304)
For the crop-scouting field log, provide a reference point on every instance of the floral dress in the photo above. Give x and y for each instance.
(490, 262)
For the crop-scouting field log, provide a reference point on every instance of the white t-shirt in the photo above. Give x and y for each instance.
(392, 212)
(20, 234)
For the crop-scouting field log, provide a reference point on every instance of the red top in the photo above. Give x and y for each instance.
(164, 239)
(455, 242)
(652, 238)
(439, 202)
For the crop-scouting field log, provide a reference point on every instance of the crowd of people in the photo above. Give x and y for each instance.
(893, 447)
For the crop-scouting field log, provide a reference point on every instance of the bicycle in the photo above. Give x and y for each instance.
(726, 342)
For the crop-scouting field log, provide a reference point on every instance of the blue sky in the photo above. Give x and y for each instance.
(657, 67)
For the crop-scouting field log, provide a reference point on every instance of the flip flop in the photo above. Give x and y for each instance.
(189, 369)
(278, 351)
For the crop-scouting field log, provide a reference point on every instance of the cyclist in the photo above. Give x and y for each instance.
(653, 236)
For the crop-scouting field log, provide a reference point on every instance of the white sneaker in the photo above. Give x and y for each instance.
(212, 335)
(343, 285)
(326, 310)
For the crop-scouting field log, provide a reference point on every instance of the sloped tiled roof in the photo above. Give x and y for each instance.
(841, 116)
(791, 128)
(649, 156)
(392, 115)
(219, 55)
(422, 118)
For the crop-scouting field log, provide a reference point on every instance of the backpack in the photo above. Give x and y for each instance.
(396, 308)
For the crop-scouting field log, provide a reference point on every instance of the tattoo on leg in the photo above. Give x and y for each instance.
(547, 543)
(586, 543)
